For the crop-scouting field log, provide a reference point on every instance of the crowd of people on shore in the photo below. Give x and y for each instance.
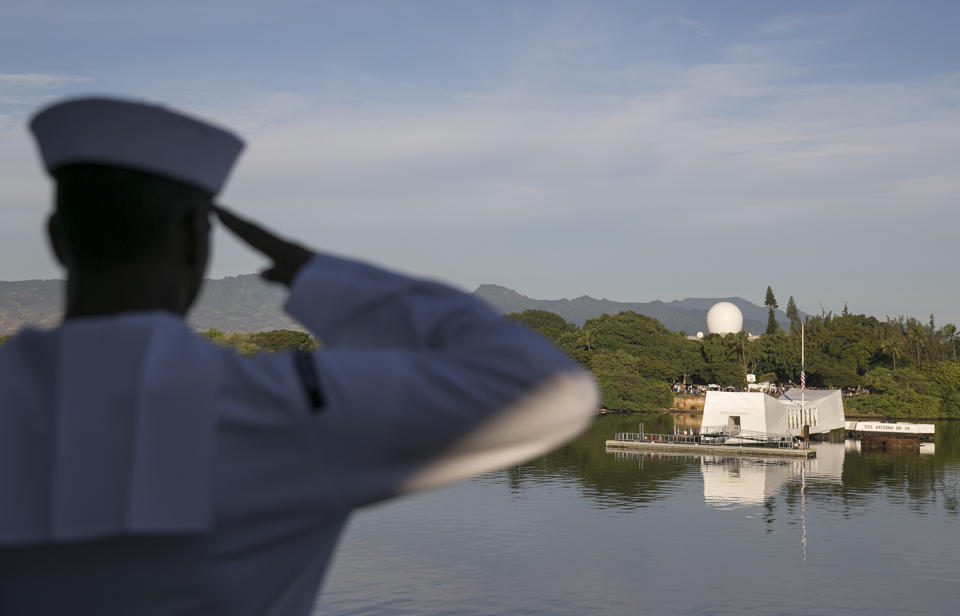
(681, 389)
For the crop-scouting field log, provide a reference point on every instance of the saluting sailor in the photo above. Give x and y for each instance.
(146, 471)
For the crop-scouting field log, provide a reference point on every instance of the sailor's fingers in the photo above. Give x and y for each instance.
(287, 257)
(252, 233)
(279, 273)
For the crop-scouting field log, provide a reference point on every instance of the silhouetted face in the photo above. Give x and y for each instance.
(109, 219)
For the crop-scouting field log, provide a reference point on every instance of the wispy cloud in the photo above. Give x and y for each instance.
(791, 24)
(714, 149)
(21, 177)
(38, 80)
(697, 26)
(788, 23)
(21, 91)
(742, 130)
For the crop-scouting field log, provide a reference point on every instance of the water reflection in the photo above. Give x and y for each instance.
(584, 531)
(736, 481)
(841, 476)
(927, 449)
(729, 481)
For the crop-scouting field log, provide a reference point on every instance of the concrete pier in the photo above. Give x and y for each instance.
(732, 450)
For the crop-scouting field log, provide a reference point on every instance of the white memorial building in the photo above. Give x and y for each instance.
(822, 410)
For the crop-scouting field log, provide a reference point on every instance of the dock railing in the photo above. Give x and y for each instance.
(733, 435)
(715, 435)
(657, 438)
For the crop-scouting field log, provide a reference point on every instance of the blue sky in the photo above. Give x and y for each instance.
(629, 150)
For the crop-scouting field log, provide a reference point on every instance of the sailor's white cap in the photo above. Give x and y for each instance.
(137, 136)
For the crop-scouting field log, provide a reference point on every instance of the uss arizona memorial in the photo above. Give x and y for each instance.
(821, 410)
(758, 412)
(793, 413)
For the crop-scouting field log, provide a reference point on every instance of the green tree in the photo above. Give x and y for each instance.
(840, 349)
(944, 376)
(793, 314)
(575, 342)
(908, 365)
(578, 345)
(548, 324)
(660, 351)
(772, 325)
(893, 348)
(950, 335)
(771, 303)
(916, 335)
(283, 340)
(722, 355)
(779, 354)
(769, 299)
(932, 340)
(214, 335)
(897, 394)
(623, 386)
(262, 342)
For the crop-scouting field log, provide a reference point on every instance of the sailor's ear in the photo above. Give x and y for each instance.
(57, 242)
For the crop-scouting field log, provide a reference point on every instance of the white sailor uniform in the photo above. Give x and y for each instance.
(146, 471)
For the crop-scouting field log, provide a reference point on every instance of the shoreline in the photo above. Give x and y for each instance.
(852, 417)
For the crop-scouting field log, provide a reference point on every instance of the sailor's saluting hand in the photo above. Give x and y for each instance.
(287, 257)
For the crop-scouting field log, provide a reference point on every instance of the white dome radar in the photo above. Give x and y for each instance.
(724, 318)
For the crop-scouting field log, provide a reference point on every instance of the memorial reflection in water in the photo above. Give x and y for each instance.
(581, 530)
(743, 480)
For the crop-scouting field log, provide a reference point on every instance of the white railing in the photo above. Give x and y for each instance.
(714, 435)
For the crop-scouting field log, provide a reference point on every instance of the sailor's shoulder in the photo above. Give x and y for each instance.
(27, 348)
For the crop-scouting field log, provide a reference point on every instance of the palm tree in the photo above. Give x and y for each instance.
(892, 348)
(915, 333)
(951, 335)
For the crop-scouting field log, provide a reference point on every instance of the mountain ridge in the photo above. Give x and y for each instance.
(688, 315)
(236, 304)
(247, 303)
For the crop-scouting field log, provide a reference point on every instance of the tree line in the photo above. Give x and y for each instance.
(263, 342)
(252, 343)
(910, 367)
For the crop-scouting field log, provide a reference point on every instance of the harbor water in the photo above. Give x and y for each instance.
(582, 530)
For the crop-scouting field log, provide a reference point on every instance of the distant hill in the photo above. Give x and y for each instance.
(241, 304)
(249, 304)
(29, 302)
(236, 304)
(689, 315)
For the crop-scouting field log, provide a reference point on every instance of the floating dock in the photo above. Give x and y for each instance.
(899, 428)
(900, 437)
(732, 450)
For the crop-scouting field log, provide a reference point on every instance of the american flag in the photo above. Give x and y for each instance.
(803, 378)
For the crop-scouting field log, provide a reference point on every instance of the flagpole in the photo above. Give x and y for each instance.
(803, 377)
